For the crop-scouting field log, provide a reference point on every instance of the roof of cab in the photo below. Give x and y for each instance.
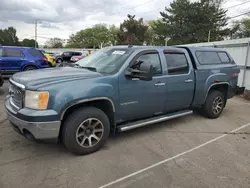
(203, 48)
(135, 47)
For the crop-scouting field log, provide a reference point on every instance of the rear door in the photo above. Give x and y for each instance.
(180, 81)
(66, 56)
(12, 59)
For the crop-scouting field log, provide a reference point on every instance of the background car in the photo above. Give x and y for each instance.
(51, 59)
(14, 59)
(76, 58)
(66, 56)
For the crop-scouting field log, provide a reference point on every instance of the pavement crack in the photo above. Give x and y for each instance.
(5, 119)
(186, 171)
(17, 160)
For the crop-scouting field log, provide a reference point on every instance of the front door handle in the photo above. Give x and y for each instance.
(160, 84)
(188, 80)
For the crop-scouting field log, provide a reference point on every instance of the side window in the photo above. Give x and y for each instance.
(66, 53)
(13, 53)
(36, 53)
(1, 52)
(206, 58)
(224, 57)
(154, 60)
(177, 63)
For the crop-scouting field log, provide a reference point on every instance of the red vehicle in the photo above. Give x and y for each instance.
(76, 58)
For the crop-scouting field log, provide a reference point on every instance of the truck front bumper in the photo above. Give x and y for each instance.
(33, 130)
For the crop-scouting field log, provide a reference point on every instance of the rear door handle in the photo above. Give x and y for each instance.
(160, 84)
(188, 80)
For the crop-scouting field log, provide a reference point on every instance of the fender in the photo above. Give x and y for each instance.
(219, 83)
(87, 100)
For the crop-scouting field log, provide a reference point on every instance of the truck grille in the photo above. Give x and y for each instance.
(16, 96)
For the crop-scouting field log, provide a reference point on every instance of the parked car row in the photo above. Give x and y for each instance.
(15, 59)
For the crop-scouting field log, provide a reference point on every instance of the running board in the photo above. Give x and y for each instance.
(157, 119)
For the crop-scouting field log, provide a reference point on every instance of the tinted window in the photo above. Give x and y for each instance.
(177, 63)
(13, 53)
(206, 58)
(223, 57)
(154, 60)
(67, 53)
(78, 53)
(36, 53)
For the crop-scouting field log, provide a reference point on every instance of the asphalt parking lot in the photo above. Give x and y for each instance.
(191, 151)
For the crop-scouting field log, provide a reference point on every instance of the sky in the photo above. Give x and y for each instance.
(61, 18)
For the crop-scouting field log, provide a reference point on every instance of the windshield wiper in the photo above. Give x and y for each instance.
(89, 68)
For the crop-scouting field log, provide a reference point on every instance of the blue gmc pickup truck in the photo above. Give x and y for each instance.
(117, 89)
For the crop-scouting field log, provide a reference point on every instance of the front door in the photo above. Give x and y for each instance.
(180, 82)
(138, 98)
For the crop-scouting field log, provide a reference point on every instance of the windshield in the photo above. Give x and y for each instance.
(106, 60)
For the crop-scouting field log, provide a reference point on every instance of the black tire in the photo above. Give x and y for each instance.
(209, 110)
(30, 67)
(73, 123)
(59, 60)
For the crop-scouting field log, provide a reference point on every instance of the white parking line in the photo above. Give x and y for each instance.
(171, 158)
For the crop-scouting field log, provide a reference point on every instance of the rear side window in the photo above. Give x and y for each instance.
(36, 53)
(206, 58)
(177, 63)
(13, 53)
(223, 57)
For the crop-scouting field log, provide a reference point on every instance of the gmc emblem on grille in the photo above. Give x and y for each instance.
(13, 93)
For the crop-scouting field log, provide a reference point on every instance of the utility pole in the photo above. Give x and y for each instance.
(166, 41)
(209, 35)
(35, 33)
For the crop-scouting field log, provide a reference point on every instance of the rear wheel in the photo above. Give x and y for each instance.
(59, 60)
(85, 130)
(214, 104)
(30, 67)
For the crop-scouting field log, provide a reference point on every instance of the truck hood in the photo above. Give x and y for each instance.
(43, 77)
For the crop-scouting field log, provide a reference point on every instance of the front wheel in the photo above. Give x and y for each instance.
(85, 130)
(28, 68)
(214, 104)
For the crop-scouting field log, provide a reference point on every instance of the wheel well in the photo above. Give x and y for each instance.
(223, 88)
(103, 105)
(29, 66)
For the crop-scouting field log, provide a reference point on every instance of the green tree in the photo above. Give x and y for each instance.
(241, 29)
(97, 36)
(133, 31)
(55, 43)
(190, 22)
(8, 37)
(29, 43)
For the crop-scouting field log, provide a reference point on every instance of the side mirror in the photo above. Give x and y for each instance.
(145, 72)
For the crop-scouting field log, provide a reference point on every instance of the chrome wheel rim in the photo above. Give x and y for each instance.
(89, 132)
(59, 60)
(217, 105)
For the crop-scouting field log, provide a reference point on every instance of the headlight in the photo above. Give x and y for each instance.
(36, 99)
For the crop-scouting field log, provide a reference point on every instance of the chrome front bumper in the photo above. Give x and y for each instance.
(39, 130)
